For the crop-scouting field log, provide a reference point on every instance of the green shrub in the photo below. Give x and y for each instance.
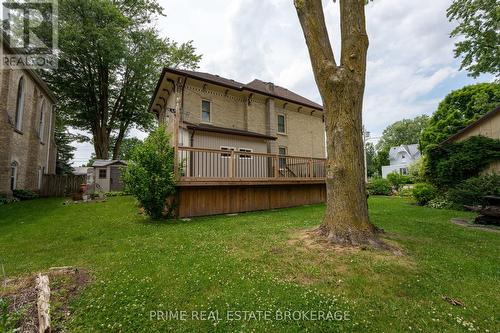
(416, 170)
(149, 175)
(440, 202)
(25, 194)
(379, 186)
(472, 191)
(3, 200)
(405, 192)
(423, 193)
(397, 180)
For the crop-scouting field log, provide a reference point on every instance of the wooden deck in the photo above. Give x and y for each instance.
(221, 182)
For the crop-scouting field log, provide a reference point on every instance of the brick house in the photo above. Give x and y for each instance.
(240, 146)
(223, 114)
(27, 121)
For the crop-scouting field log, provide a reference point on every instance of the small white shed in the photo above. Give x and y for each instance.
(107, 174)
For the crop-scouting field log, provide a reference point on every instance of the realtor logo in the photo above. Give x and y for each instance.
(30, 31)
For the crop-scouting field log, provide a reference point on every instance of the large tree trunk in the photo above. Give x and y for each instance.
(119, 139)
(341, 87)
(101, 143)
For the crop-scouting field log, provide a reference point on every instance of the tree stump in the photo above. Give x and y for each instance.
(489, 213)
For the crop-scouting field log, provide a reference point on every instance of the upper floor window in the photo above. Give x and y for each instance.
(281, 124)
(205, 111)
(41, 123)
(403, 156)
(20, 104)
(13, 175)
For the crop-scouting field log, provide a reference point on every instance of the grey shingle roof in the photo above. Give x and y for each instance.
(104, 163)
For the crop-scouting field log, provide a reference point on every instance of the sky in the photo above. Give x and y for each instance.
(411, 65)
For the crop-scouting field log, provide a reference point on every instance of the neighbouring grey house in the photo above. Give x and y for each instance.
(107, 174)
(400, 158)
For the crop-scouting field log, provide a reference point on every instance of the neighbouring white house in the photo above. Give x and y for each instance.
(81, 171)
(400, 158)
(107, 174)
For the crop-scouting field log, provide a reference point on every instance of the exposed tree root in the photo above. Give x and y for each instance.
(351, 239)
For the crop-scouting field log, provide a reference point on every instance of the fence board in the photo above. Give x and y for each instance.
(60, 185)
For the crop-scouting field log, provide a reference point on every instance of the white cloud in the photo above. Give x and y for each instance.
(410, 60)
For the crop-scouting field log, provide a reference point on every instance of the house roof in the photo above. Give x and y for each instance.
(283, 93)
(105, 163)
(34, 75)
(472, 125)
(225, 130)
(256, 86)
(412, 150)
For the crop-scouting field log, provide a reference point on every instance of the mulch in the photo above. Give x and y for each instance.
(468, 224)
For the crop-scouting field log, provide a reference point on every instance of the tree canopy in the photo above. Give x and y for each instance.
(65, 151)
(458, 109)
(402, 132)
(478, 29)
(109, 60)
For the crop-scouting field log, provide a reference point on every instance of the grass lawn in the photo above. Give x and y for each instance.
(249, 263)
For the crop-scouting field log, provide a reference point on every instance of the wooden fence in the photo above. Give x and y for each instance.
(60, 185)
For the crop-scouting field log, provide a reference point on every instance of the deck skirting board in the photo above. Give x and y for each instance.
(213, 200)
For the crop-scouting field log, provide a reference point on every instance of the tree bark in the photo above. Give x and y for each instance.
(43, 307)
(341, 87)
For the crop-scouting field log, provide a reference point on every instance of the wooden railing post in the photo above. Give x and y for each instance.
(232, 165)
(276, 166)
(311, 168)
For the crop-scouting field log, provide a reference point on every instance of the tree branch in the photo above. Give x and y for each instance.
(353, 35)
(312, 20)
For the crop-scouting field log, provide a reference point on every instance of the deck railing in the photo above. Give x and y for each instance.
(201, 164)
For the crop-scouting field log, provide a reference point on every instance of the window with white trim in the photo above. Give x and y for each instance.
(20, 105)
(281, 124)
(13, 175)
(205, 110)
(226, 148)
(403, 171)
(244, 156)
(41, 123)
(41, 171)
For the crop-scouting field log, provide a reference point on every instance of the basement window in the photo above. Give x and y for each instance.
(225, 148)
(245, 156)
